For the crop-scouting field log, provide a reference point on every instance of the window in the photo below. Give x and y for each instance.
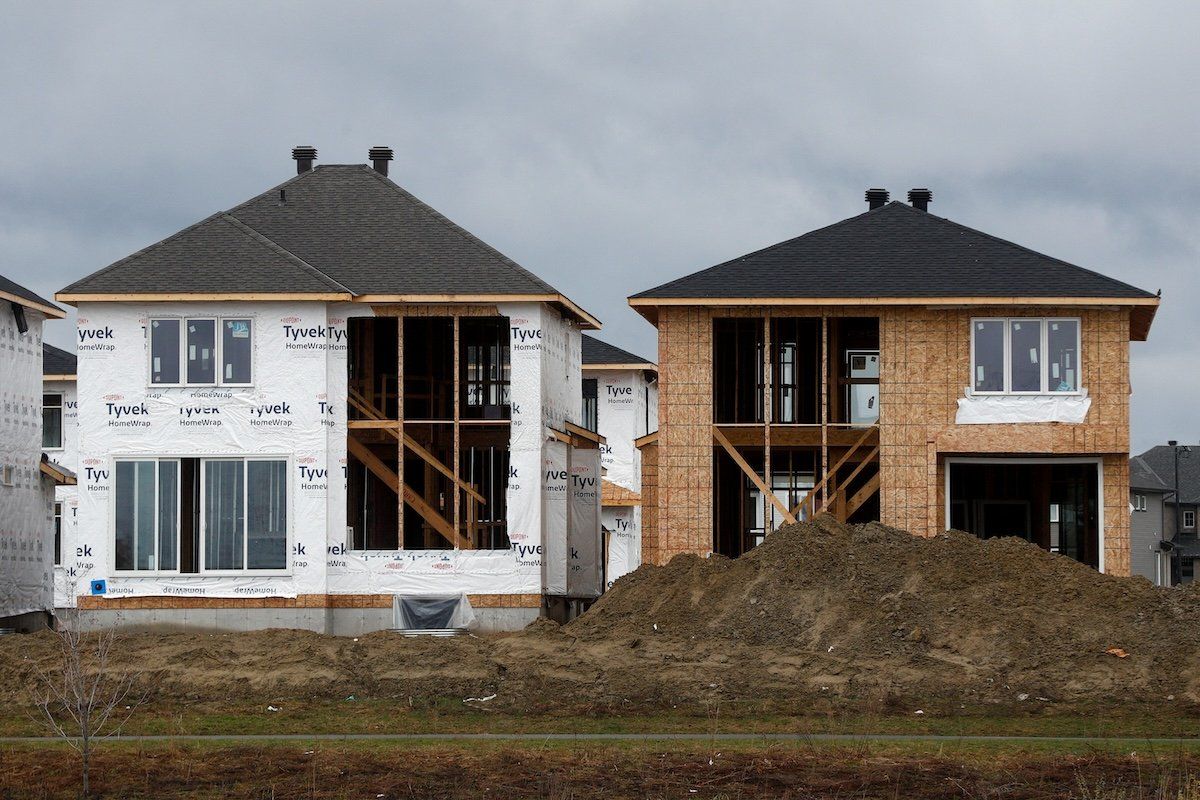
(590, 404)
(58, 534)
(1025, 355)
(738, 374)
(485, 368)
(1189, 519)
(7, 474)
(206, 515)
(1139, 502)
(190, 352)
(52, 421)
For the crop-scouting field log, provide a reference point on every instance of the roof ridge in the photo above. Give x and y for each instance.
(283, 251)
(766, 249)
(454, 227)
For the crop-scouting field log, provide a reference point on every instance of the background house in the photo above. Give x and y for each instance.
(620, 400)
(27, 480)
(1147, 493)
(895, 366)
(326, 397)
(60, 443)
(1178, 521)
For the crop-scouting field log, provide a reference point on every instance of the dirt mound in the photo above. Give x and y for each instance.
(879, 600)
(820, 618)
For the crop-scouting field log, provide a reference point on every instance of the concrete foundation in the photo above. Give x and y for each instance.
(333, 621)
(27, 623)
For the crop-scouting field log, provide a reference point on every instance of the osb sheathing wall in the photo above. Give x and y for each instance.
(925, 355)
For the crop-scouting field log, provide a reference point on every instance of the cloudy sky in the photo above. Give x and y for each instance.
(612, 146)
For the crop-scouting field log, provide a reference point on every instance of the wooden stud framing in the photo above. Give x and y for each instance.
(457, 455)
(752, 475)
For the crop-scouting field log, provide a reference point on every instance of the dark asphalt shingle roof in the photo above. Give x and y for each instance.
(58, 362)
(895, 251)
(218, 254)
(598, 352)
(1142, 476)
(17, 290)
(1161, 460)
(339, 228)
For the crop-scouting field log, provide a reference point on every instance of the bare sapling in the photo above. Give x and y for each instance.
(79, 695)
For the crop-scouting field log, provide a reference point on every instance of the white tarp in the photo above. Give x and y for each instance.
(556, 479)
(991, 409)
(26, 532)
(67, 498)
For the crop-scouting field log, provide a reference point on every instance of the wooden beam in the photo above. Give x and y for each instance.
(50, 311)
(642, 441)
(812, 493)
(584, 433)
(392, 425)
(870, 488)
(892, 301)
(588, 321)
(390, 478)
(169, 297)
(640, 365)
(752, 475)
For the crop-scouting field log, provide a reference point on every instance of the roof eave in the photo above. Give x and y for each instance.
(586, 320)
(1142, 309)
(74, 298)
(53, 312)
(629, 365)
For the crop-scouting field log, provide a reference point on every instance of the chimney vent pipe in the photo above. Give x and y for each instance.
(876, 198)
(920, 198)
(305, 155)
(380, 156)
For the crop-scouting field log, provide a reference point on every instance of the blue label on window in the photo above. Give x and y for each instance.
(239, 328)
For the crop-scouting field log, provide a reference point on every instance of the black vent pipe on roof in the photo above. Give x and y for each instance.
(876, 198)
(305, 155)
(380, 156)
(920, 198)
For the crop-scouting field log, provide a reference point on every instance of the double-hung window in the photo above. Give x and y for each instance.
(52, 421)
(201, 351)
(1189, 520)
(1025, 355)
(201, 515)
(591, 410)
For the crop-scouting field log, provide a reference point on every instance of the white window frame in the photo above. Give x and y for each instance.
(218, 349)
(1139, 502)
(1043, 348)
(1189, 514)
(203, 572)
(62, 416)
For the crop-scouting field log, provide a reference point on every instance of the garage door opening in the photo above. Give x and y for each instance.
(1055, 505)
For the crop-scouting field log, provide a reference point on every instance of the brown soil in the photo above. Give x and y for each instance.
(510, 772)
(819, 618)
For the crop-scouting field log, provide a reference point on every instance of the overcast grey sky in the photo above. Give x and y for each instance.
(612, 146)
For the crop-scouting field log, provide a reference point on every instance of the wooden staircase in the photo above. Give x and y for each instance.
(473, 499)
(839, 501)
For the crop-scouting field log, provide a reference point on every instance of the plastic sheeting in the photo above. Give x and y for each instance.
(584, 542)
(432, 612)
(627, 408)
(979, 409)
(296, 409)
(26, 527)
